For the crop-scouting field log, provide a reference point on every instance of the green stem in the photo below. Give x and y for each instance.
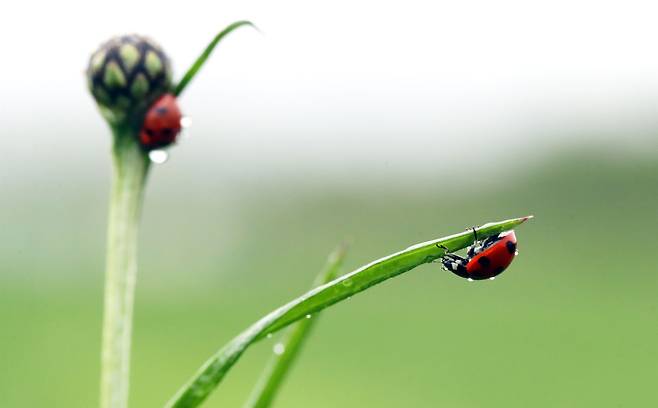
(130, 167)
(291, 342)
(213, 371)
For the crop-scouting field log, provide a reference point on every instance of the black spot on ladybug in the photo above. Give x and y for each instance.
(511, 247)
(484, 261)
(161, 111)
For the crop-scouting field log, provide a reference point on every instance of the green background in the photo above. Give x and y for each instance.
(572, 323)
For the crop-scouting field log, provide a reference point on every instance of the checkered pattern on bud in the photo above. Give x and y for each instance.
(126, 74)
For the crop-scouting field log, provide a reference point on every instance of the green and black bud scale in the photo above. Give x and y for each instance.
(126, 74)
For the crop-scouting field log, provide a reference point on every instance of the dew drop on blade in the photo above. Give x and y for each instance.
(158, 156)
(269, 335)
(308, 316)
(279, 349)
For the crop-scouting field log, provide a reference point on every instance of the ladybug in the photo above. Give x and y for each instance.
(484, 259)
(161, 123)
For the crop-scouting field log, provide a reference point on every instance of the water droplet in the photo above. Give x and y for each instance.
(185, 122)
(278, 349)
(158, 156)
(308, 316)
(347, 282)
(492, 278)
(269, 335)
(516, 253)
(470, 280)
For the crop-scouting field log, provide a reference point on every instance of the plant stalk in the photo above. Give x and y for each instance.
(213, 371)
(130, 167)
(292, 340)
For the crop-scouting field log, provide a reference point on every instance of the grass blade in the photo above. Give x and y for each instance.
(192, 71)
(291, 342)
(213, 371)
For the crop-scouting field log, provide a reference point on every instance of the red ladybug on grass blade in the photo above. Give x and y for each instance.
(161, 123)
(484, 259)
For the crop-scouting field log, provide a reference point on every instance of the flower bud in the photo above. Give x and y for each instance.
(126, 74)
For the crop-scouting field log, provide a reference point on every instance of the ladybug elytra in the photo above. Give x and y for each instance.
(484, 259)
(162, 123)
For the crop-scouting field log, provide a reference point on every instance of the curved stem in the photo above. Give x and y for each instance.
(279, 365)
(130, 167)
(213, 371)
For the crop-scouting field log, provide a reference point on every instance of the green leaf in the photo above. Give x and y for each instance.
(213, 371)
(288, 347)
(192, 71)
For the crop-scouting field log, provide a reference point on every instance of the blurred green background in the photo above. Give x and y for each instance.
(383, 123)
(572, 323)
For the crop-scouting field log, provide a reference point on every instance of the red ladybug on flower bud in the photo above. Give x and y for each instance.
(484, 259)
(162, 123)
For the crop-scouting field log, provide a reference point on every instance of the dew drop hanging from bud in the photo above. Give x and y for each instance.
(158, 156)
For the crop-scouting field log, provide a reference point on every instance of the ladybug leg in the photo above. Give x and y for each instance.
(452, 262)
(480, 246)
(445, 248)
(471, 250)
(475, 232)
(490, 241)
(446, 252)
(455, 264)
